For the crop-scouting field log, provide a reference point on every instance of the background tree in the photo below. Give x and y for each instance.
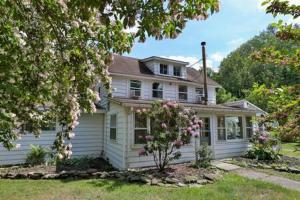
(238, 72)
(54, 52)
(223, 96)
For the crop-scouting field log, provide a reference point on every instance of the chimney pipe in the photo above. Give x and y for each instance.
(204, 72)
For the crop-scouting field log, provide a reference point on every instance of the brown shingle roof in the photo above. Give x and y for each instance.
(132, 66)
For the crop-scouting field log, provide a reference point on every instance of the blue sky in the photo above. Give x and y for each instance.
(237, 22)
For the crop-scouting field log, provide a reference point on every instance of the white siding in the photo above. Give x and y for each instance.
(114, 149)
(87, 141)
(120, 87)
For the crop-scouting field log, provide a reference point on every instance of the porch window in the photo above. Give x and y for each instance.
(182, 93)
(205, 131)
(113, 127)
(163, 69)
(249, 127)
(157, 90)
(177, 71)
(230, 128)
(140, 128)
(135, 88)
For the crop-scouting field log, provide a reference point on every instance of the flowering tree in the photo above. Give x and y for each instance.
(54, 52)
(172, 126)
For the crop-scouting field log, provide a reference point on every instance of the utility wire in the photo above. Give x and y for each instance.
(195, 63)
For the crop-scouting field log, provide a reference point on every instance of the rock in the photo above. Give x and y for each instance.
(155, 181)
(10, 175)
(145, 179)
(212, 177)
(134, 178)
(64, 174)
(21, 176)
(171, 180)
(50, 176)
(282, 169)
(294, 170)
(202, 181)
(97, 174)
(190, 179)
(181, 185)
(104, 175)
(35, 175)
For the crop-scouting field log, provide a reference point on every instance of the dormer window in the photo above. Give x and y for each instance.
(177, 71)
(182, 93)
(163, 69)
(157, 90)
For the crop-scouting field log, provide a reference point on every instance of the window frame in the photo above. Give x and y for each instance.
(242, 128)
(135, 88)
(248, 127)
(163, 68)
(157, 90)
(147, 128)
(177, 67)
(114, 127)
(186, 93)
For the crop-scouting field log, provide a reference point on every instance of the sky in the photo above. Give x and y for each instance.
(235, 23)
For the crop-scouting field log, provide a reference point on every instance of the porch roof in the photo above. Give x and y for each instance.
(127, 102)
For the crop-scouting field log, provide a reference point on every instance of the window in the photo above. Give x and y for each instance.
(249, 128)
(182, 93)
(140, 128)
(205, 131)
(113, 127)
(45, 127)
(135, 88)
(157, 90)
(199, 92)
(230, 128)
(163, 69)
(177, 71)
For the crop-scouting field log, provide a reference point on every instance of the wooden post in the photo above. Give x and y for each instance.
(204, 72)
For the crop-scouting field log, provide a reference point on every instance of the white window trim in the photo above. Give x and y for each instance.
(231, 140)
(167, 74)
(187, 94)
(134, 88)
(113, 140)
(134, 146)
(162, 90)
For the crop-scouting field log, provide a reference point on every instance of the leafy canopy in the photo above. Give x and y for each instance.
(53, 52)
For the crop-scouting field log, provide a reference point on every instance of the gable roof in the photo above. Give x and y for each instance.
(136, 67)
(245, 104)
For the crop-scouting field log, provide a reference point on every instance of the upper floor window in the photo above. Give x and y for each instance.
(230, 128)
(157, 90)
(163, 69)
(182, 92)
(177, 71)
(135, 88)
(249, 127)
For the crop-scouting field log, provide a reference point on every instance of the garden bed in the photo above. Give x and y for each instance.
(178, 175)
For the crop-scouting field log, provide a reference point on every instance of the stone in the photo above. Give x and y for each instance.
(105, 175)
(83, 175)
(35, 175)
(294, 170)
(21, 176)
(50, 176)
(212, 177)
(97, 174)
(202, 181)
(10, 175)
(155, 181)
(171, 180)
(190, 179)
(63, 174)
(133, 178)
(145, 179)
(181, 185)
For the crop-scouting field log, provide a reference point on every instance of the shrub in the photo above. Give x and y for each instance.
(264, 147)
(205, 155)
(37, 155)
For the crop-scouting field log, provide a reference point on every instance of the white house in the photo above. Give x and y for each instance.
(113, 131)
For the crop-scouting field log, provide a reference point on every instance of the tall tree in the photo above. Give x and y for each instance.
(53, 52)
(239, 72)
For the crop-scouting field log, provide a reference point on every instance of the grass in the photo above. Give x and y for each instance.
(291, 149)
(231, 187)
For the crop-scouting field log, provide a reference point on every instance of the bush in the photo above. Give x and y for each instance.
(264, 147)
(36, 156)
(205, 155)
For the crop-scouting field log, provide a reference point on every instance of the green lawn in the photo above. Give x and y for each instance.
(231, 187)
(291, 149)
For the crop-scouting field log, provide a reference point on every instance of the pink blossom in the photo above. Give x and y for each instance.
(149, 137)
(189, 129)
(178, 143)
(142, 152)
(195, 133)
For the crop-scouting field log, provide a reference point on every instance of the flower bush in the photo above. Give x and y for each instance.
(170, 130)
(264, 147)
